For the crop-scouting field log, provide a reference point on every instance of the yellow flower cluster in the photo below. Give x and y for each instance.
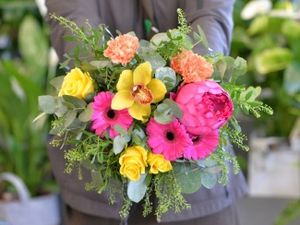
(134, 161)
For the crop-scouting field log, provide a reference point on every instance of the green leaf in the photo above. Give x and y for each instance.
(155, 59)
(167, 111)
(188, 177)
(239, 67)
(292, 78)
(201, 37)
(57, 82)
(136, 190)
(163, 114)
(119, 144)
(61, 109)
(33, 45)
(85, 115)
(273, 59)
(138, 136)
(209, 180)
(208, 162)
(100, 64)
(74, 102)
(258, 25)
(69, 118)
(250, 94)
(176, 111)
(47, 104)
(158, 39)
(168, 76)
(291, 29)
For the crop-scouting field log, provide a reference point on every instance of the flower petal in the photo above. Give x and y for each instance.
(139, 111)
(125, 81)
(142, 74)
(158, 89)
(122, 100)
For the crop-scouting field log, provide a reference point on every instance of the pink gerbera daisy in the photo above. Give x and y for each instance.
(104, 118)
(203, 145)
(171, 139)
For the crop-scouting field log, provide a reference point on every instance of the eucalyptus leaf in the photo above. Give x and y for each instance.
(188, 177)
(208, 180)
(138, 136)
(61, 108)
(163, 114)
(136, 190)
(69, 118)
(167, 75)
(208, 162)
(119, 144)
(85, 115)
(47, 104)
(75, 102)
(158, 39)
(155, 59)
(176, 111)
(57, 82)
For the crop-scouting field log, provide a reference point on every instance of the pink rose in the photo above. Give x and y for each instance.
(205, 105)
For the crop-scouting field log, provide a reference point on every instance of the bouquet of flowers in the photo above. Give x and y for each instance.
(149, 117)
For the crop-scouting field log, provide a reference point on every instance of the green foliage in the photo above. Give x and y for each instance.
(136, 190)
(167, 112)
(22, 80)
(168, 76)
(188, 177)
(290, 213)
(271, 47)
(183, 24)
(168, 193)
(35, 56)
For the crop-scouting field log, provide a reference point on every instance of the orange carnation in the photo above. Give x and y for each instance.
(192, 67)
(122, 49)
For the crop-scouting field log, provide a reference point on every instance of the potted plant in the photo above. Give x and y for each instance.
(27, 192)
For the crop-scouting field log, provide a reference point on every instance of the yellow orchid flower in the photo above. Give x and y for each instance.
(137, 90)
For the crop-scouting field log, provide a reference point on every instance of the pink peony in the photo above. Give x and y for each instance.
(171, 139)
(203, 145)
(206, 106)
(104, 118)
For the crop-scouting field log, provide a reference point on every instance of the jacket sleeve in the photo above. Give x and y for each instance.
(76, 10)
(215, 18)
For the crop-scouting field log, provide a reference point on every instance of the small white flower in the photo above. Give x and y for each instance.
(255, 8)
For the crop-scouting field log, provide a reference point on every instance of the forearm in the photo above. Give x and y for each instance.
(76, 10)
(215, 18)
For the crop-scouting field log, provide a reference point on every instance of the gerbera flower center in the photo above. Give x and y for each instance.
(196, 139)
(170, 136)
(142, 94)
(111, 114)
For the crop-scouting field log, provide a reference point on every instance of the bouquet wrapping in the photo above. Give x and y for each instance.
(149, 118)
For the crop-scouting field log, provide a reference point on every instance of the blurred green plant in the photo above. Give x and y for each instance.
(22, 80)
(271, 45)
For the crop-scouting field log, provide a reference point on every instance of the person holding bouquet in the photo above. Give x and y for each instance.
(145, 17)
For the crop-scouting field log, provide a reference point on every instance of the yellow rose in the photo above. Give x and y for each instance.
(133, 162)
(158, 163)
(77, 84)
